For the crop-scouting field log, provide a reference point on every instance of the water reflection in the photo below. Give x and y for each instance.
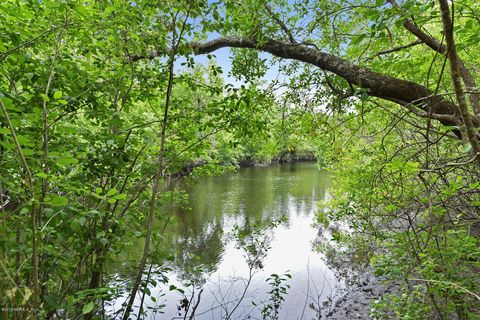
(204, 252)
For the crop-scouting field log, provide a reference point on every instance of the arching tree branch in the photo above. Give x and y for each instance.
(376, 84)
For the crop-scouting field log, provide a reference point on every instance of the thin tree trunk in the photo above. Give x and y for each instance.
(457, 83)
(33, 213)
(144, 292)
(155, 187)
(199, 297)
(153, 199)
(44, 257)
(160, 164)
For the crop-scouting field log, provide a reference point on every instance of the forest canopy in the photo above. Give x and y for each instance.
(104, 103)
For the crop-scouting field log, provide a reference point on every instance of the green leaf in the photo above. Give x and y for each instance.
(111, 192)
(448, 128)
(44, 97)
(58, 201)
(120, 196)
(41, 175)
(147, 291)
(66, 159)
(48, 212)
(467, 147)
(28, 152)
(372, 14)
(9, 103)
(88, 308)
(357, 39)
(469, 24)
(82, 221)
(57, 95)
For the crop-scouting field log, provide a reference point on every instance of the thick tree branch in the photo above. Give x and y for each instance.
(376, 84)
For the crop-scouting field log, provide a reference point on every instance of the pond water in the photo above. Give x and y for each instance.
(272, 210)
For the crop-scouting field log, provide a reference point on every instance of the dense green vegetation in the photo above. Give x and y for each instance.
(104, 102)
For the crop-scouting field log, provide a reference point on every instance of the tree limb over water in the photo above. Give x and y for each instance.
(403, 92)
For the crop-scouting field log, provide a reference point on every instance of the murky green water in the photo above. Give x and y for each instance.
(206, 252)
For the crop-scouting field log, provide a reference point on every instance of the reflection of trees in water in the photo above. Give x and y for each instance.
(198, 254)
(252, 199)
(255, 240)
(196, 241)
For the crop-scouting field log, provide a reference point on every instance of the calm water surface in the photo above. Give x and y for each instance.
(206, 253)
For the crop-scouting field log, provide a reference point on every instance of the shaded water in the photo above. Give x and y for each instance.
(205, 252)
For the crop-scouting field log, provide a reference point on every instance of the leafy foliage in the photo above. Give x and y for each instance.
(279, 290)
(82, 92)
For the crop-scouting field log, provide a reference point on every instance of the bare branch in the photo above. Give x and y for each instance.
(412, 44)
(280, 23)
(342, 95)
